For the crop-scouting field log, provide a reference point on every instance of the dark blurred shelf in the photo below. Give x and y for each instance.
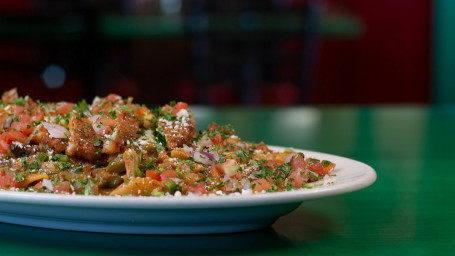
(341, 25)
(41, 29)
(129, 27)
(113, 26)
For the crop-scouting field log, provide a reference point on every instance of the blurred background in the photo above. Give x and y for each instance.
(219, 52)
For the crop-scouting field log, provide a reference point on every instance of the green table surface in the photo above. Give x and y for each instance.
(409, 210)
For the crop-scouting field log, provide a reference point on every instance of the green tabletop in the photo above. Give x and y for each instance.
(409, 210)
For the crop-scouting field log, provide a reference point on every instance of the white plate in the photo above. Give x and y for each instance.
(175, 215)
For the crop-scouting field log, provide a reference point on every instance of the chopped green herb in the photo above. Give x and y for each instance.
(157, 193)
(77, 169)
(82, 106)
(171, 187)
(41, 157)
(126, 109)
(326, 163)
(99, 151)
(138, 172)
(151, 164)
(161, 138)
(19, 101)
(312, 161)
(15, 118)
(34, 165)
(60, 158)
(113, 114)
(97, 142)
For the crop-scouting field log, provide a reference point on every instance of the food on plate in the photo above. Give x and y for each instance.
(116, 147)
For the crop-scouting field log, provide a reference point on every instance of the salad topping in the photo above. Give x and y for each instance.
(116, 147)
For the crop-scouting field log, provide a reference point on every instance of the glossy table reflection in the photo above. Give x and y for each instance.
(409, 210)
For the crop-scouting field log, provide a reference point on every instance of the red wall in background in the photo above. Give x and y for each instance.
(389, 62)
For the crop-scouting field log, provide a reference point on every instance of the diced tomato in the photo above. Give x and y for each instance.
(212, 127)
(30, 101)
(7, 180)
(38, 185)
(179, 106)
(197, 188)
(38, 115)
(272, 164)
(317, 167)
(24, 125)
(260, 185)
(262, 146)
(103, 125)
(167, 108)
(215, 172)
(217, 140)
(113, 97)
(64, 108)
(96, 109)
(62, 187)
(297, 178)
(23, 121)
(298, 162)
(167, 175)
(10, 96)
(107, 121)
(8, 137)
(153, 174)
(142, 111)
(4, 146)
(329, 168)
(18, 110)
(15, 136)
(237, 176)
(31, 111)
(95, 189)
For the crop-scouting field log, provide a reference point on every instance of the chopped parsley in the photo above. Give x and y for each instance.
(34, 165)
(82, 107)
(97, 142)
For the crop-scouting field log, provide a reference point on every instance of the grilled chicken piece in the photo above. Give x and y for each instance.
(41, 136)
(84, 142)
(126, 128)
(178, 133)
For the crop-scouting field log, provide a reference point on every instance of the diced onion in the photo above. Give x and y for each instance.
(226, 178)
(204, 141)
(8, 122)
(247, 184)
(96, 101)
(56, 131)
(211, 156)
(87, 113)
(188, 150)
(288, 158)
(98, 127)
(205, 157)
(94, 118)
(48, 185)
